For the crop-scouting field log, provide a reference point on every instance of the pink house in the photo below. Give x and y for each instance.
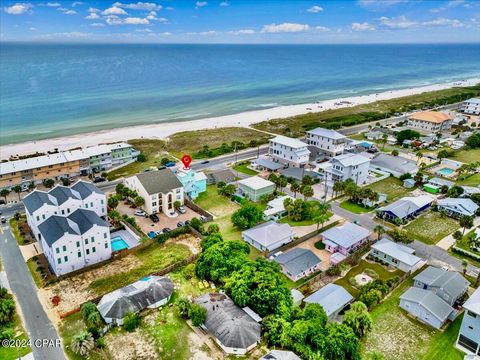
(345, 238)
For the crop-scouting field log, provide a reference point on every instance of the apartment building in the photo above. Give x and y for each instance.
(346, 166)
(62, 201)
(65, 164)
(471, 106)
(160, 189)
(289, 151)
(330, 142)
(429, 121)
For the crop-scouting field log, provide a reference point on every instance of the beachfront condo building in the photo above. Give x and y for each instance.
(288, 151)
(429, 121)
(345, 166)
(160, 189)
(65, 164)
(69, 225)
(330, 142)
(471, 106)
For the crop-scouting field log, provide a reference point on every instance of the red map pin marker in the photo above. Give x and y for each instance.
(186, 160)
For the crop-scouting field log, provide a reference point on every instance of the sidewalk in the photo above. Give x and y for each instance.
(448, 241)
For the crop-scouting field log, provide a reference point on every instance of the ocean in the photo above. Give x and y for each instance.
(51, 90)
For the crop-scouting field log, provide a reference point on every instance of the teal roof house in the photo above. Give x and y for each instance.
(194, 183)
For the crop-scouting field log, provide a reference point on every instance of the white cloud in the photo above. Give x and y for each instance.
(315, 9)
(449, 5)
(224, 3)
(67, 35)
(32, 29)
(200, 4)
(206, 33)
(93, 10)
(379, 3)
(139, 6)
(113, 20)
(321, 29)
(114, 10)
(50, 4)
(285, 28)
(19, 9)
(77, 3)
(97, 24)
(365, 26)
(166, 33)
(400, 22)
(66, 11)
(92, 16)
(135, 21)
(144, 30)
(169, 8)
(242, 32)
(444, 22)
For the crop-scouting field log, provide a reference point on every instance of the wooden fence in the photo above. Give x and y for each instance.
(190, 204)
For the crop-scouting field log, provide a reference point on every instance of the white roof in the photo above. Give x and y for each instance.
(473, 302)
(463, 205)
(473, 101)
(328, 133)
(288, 141)
(350, 159)
(397, 251)
(346, 235)
(269, 233)
(256, 182)
(276, 206)
(331, 297)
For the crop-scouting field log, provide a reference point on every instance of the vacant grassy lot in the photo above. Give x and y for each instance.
(399, 337)
(473, 180)
(189, 142)
(365, 266)
(152, 259)
(354, 208)
(244, 169)
(467, 156)
(431, 227)
(215, 203)
(296, 126)
(154, 150)
(390, 186)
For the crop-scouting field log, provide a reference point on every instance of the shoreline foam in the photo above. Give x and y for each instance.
(244, 119)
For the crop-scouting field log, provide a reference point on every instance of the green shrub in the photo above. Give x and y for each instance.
(197, 314)
(131, 321)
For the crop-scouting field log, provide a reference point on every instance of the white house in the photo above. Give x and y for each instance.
(430, 121)
(345, 238)
(458, 207)
(275, 209)
(268, 236)
(346, 166)
(471, 106)
(160, 189)
(288, 151)
(397, 255)
(75, 241)
(330, 142)
(150, 292)
(62, 200)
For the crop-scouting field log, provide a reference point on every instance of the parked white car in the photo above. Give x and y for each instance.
(140, 213)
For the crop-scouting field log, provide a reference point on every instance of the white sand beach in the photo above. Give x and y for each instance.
(245, 119)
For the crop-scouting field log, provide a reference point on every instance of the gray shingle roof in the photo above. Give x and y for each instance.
(269, 233)
(280, 355)
(161, 181)
(63, 193)
(78, 222)
(407, 205)
(297, 260)
(135, 297)
(85, 189)
(331, 297)
(452, 282)
(394, 163)
(232, 326)
(328, 133)
(346, 235)
(35, 200)
(428, 300)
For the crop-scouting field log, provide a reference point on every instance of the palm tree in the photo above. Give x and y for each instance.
(4, 193)
(295, 187)
(379, 229)
(18, 190)
(307, 191)
(273, 178)
(320, 218)
(465, 265)
(466, 222)
(338, 186)
(139, 201)
(288, 205)
(82, 343)
(384, 140)
(282, 181)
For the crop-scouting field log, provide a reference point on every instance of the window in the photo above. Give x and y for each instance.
(87, 251)
(65, 258)
(38, 218)
(467, 343)
(43, 216)
(93, 239)
(91, 204)
(63, 212)
(104, 235)
(472, 314)
(106, 245)
(59, 261)
(79, 254)
(57, 250)
(93, 249)
(86, 241)
(64, 248)
(78, 243)
(101, 201)
(86, 206)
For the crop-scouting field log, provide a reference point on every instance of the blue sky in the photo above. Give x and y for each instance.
(242, 21)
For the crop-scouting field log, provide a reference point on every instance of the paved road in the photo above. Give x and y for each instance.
(221, 161)
(434, 254)
(37, 323)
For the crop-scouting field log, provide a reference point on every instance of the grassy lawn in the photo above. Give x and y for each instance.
(14, 226)
(154, 150)
(467, 156)
(11, 353)
(354, 208)
(381, 272)
(473, 180)
(152, 258)
(390, 186)
(215, 203)
(399, 337)
(186, 142)
(431, 227)
(37, 278)
(464, 244)
(244, 169)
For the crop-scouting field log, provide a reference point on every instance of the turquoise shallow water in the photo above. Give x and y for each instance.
(50, 90)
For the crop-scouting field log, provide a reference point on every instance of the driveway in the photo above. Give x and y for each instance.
(323, 255)
(37, 323)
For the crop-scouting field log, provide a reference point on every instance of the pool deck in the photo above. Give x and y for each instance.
(129, 238)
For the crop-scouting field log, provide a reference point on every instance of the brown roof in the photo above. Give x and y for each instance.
(431, 116)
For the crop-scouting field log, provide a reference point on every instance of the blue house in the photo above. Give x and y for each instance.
(193, 182)
(405, 208)
(469, 336)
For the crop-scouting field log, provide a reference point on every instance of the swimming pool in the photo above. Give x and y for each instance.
(118, 243)
(445, 171)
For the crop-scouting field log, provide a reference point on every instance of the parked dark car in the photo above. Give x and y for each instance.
(180, 224)
(166, 230)
(205, 162)
(99, 179)
(187, 222)
(154, 218)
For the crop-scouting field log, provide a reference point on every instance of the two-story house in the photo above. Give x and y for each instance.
(471, 106)
(469, 336)
(288, 151)
(330, 142)
(194, 182)
(160, 190)
(346, 166)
